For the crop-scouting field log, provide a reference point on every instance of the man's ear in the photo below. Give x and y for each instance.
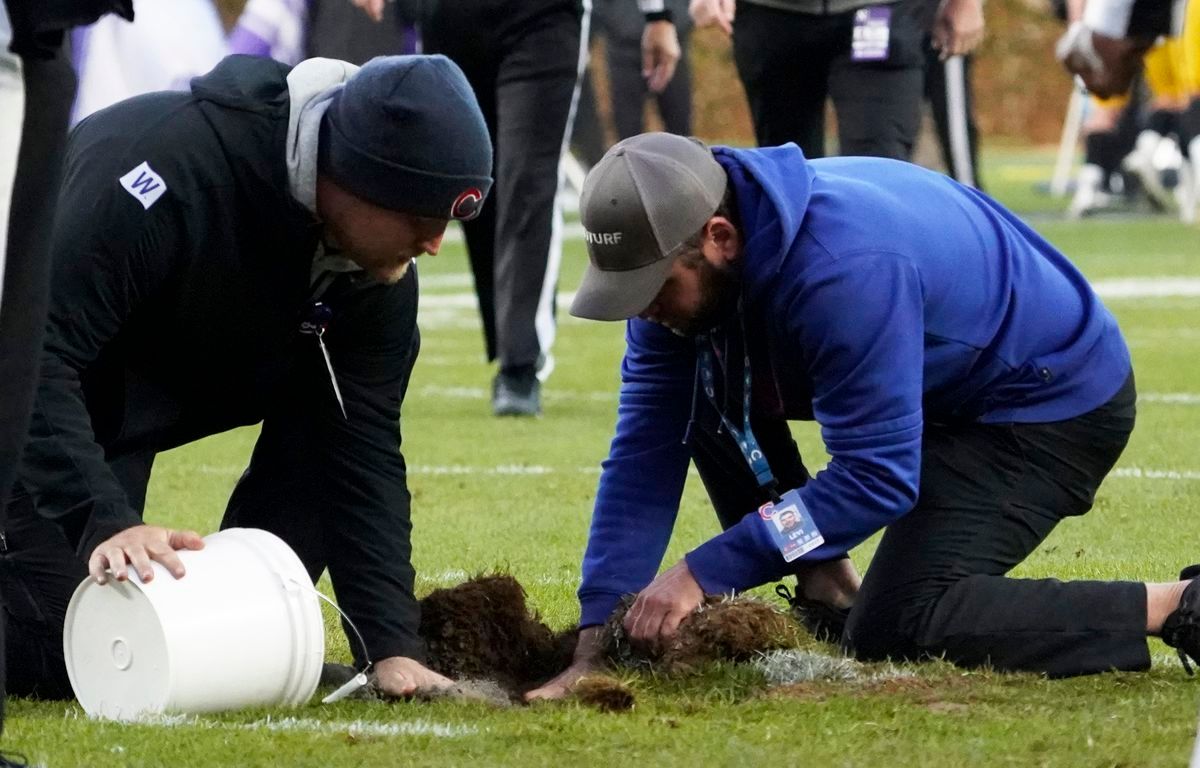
(725, 238)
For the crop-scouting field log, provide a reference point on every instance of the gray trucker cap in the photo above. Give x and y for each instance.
(640, 203)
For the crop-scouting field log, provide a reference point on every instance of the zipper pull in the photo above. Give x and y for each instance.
(337, 391)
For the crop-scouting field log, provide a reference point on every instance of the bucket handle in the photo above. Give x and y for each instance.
(358, 681)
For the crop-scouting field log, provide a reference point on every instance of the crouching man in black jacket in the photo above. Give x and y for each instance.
(237, 254)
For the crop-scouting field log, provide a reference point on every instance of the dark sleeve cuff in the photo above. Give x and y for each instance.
(409, 646)
(663, 15)
(740, 558)
(595, 609)
(103, 523)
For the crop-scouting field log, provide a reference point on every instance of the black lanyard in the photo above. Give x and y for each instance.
(744, 437)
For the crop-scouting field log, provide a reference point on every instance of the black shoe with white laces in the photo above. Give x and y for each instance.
(1181, 630)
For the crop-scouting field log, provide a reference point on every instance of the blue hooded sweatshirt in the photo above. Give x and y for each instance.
(876, 295)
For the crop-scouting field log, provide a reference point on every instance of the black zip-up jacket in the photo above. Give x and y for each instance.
(182, 319)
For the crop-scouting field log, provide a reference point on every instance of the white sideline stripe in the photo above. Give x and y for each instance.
(1147, 287)
(361, 727)
(451, 280)
(1138, 473)
(478, 393)
(1170, 398)
(312, 725)
(460, 469)
(462, 300)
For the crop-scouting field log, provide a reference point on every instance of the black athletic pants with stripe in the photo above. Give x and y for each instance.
(522, 58)
(989, 495)
(790, 62)
(952, 101)
(49, 91)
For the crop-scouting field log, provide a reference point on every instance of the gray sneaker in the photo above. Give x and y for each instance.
(517, 394)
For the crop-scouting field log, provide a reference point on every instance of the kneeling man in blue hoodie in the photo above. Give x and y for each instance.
(971, 389)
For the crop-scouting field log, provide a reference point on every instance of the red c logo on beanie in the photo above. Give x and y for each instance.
(467, 205)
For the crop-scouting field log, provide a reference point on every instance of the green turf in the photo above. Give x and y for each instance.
(522, 491)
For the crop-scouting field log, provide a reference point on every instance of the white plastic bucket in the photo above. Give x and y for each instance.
(242, 628)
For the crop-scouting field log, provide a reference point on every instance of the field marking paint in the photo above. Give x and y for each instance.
(1139, 473)
(313, 725)
(460, 469)
(478, 393)
(448, 280)
(361, 727)
(1170, 398)
(1147, 287)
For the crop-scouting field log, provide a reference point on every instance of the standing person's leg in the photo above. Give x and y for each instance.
(12, 112)
(675, 102)
(949, 93)
(468, 36)
(782, 59)
(989, 495)
(49, 88)
(878, 103)
(626, 86)
(536, 93)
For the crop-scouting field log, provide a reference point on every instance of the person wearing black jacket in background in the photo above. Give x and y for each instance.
(37, 87)
(237, 254)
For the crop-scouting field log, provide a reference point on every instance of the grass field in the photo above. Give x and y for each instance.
(531, 485)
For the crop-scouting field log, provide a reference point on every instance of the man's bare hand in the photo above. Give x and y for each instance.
(373, 8)
(585, 661)
(658, 610)
(401, 677)
(139, 546)
(705, 13)
(660, 54)
(958, 27)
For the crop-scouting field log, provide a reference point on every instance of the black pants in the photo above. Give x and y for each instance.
(629, 92)
(522, 59)
(49, 91)
(952, 102)
(989, 495)
(790, 62)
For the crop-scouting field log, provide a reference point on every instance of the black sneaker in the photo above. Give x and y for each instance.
(1181, 630)
(824, 621)
(12, 761)
(517, 394)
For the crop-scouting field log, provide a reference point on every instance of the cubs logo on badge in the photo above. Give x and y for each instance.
(144, 184)
(467, 205)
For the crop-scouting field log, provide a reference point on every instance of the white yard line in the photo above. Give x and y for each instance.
(1170, 398)
(1147, 287)
(478, 393)
(313, 725)
(1140, 473)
